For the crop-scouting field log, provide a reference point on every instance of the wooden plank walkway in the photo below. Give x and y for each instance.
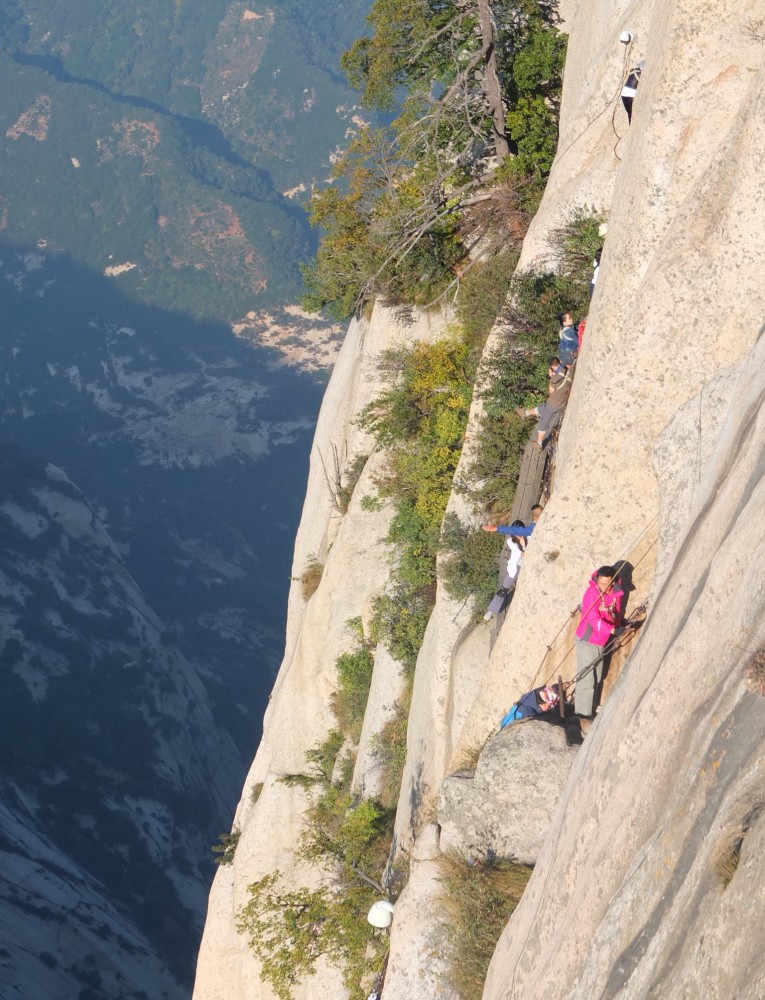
(530, 477)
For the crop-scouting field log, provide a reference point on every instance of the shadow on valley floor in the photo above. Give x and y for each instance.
(192, 447)
(192, 443)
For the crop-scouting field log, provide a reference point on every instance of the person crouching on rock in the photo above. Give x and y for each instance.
(537, 702)
(601, 614)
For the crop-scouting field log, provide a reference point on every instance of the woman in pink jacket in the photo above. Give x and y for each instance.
(601, 613)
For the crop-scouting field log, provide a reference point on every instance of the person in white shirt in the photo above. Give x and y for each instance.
(516, 546)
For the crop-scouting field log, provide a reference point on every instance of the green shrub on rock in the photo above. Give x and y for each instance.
(480, 897)
(470, 568)
(354, 676)
(288, 930)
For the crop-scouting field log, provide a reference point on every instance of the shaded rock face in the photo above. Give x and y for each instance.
(62, 934)
(170, 426)
(505, 808)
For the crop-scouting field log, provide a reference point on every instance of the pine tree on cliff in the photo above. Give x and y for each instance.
(474, 84)
(445, 55)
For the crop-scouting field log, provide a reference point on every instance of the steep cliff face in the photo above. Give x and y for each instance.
(351, 548)
(678, 299)
(660, 463)
(629, 898)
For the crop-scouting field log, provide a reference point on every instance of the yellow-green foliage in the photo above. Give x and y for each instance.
(370, 244)
(289, 929)
(321, 760)
(515, 374)
(471, 568)
(355, 835)
(354, 675)
(402, 219)
(427, 383)
(574, 244)
(480, 899)
(348, 838)
(496, 466)
(348, 483)
(388, 747)
(534, 93)
(421, 418)
(482, 295)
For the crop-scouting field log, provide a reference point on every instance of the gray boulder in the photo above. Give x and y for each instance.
(505, 808)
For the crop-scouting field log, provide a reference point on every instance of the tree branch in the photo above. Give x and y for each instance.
(369, 880)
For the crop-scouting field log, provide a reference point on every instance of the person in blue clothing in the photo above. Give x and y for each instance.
(516, 528)
(568, 340)
(533, 703)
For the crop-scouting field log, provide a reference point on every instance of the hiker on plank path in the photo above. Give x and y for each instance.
(551, 411)
(568, 340)
(516, 545)
(519, 531)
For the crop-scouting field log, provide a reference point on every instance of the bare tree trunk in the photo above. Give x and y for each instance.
(490, 80)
